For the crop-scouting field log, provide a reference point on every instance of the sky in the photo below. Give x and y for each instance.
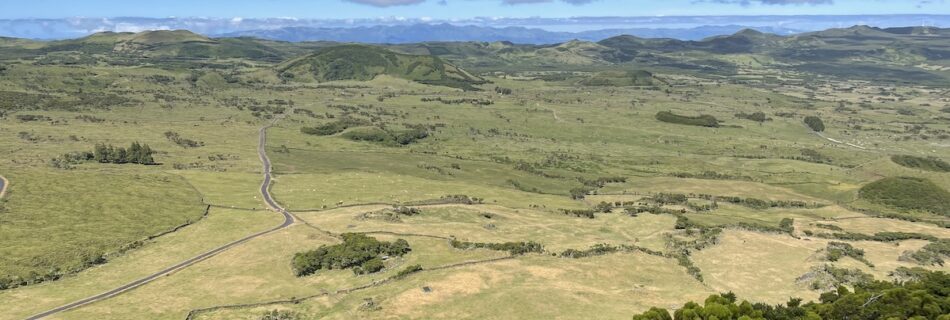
(455, 9)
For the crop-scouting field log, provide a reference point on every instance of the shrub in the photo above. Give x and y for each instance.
(370, 266)
(182, 142)
(837, 250)
(409, 270)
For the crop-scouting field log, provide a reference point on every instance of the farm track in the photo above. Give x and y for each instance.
(289, 220)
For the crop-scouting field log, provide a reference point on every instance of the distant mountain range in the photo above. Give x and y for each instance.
(919, 55)
(387, 28)
(449, 32)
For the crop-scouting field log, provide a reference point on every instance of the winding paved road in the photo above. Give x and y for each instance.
(265, 192)
(3, 186)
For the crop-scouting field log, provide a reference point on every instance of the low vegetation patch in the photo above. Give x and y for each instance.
(837, 250)
(32, 117)
(335, 127)
(828, 277)
(908, 193)
(929, 164)
(513, 248)
(885, 236)
(700, 120)
(361, 253)
(387, 137)
(757, 116)
(932, 254)
(182, 142)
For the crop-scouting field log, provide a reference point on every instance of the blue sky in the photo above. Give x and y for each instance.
(456, 9)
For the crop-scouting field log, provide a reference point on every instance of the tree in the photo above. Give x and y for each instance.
(654, 314)
(101, 153)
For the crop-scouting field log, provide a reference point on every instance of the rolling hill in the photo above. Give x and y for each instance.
(360, 62)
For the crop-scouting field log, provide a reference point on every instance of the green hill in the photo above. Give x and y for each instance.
(907, 193)
(362, 63)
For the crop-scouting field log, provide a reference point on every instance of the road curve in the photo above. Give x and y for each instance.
(265, 193)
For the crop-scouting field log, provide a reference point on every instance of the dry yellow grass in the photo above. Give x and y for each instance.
(260, 271)
(532, 287)
(555, 230)
(757, 266)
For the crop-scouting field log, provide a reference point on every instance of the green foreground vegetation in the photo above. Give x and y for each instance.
(479, 180)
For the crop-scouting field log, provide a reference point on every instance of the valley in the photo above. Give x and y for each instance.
(170, 175)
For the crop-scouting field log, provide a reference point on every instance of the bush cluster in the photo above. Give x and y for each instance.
(703, 120)
(513, 248)
(335, 127)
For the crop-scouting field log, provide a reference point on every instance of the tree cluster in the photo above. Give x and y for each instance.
(361, 253)
(136, 153)
(815, 123)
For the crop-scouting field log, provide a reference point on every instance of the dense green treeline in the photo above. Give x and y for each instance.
(925, 296)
